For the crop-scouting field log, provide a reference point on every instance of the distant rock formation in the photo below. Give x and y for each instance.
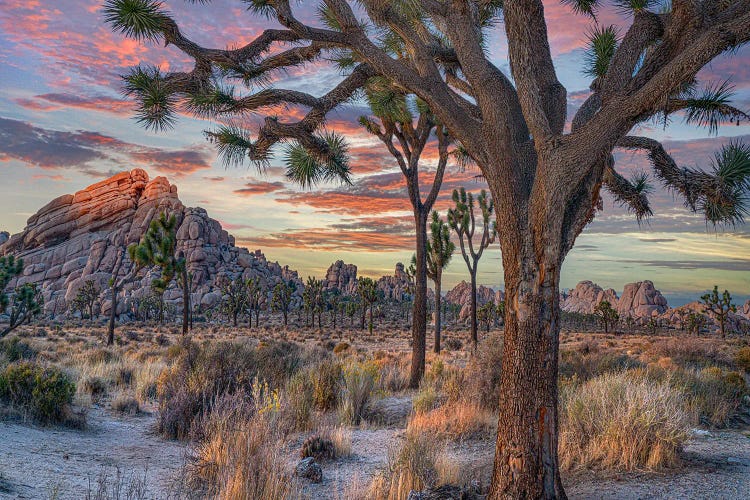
(4, 236)
(342, 277)
(461, 295)
(678, 317)
(585, 296)
(76, 238)
(395, 287)
(639, 300)
(745, 309)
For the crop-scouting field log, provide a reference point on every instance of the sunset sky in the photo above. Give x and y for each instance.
(64, 125)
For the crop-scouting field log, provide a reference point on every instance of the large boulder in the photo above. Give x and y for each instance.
(641, 300)
(342, 277)
(83, 236)
(586, 296)
(461, 295)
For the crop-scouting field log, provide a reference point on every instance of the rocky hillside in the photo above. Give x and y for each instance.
(79, 237)
(639, 300)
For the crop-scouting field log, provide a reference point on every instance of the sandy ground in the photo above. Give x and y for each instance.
(63, 463)
(39, 462)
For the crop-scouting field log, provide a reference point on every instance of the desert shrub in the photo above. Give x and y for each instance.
(46, 393)
(300, 397)
(16, 349)
(341, 438)
(341, 347)
(426, 399)
(161, 340)
(411, 467)
(188, 387)
(326, 384)
(691, 352)
(484, 370)
(619, 421)
(318, 447)
(145, 380)
(454, 421)
(358, 383)
(240, 457)
(277, 361)
(742, 359)
(394, 373)
(713, 395)
(125, 403)
(453, 344)
(94, 386)
(587, 363)
(99, 356)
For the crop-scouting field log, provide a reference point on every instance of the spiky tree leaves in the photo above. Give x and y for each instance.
(235, 297)
(606, 314)
(440, 250)
(603, 43)
(465, 223)
(720, 305)
(25, 303)
(307, 168)
(367, 289)
(138, 19)
(10, 267)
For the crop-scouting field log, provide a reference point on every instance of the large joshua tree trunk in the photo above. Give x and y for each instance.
(419, 309)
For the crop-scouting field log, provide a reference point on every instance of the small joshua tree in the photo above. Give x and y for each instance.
(235, 298)
(26, 303)
(86, 299)
(606, 314)
(487, 314)
(368, 292)
(695, 323)
(282, 298)
(463, 221)
(440, 249)
(332, 300)
(256, 293)
(720, 306)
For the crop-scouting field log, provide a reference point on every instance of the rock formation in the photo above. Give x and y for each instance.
(342, 277)
(585, 297)
(396, 286)
(461, 295)
(80, 237)
(641, 300)
(678, 317)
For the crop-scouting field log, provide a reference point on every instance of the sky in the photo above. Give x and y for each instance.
(64, 125)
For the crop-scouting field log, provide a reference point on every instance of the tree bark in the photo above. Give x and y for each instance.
(438, 301)
(526, 463)
(419, 309)
(474, 336)
(112, 313)
(186, 304)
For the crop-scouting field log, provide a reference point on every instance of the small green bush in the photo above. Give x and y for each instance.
(358, 384)
(326, 385)
(16, 349)
(46, 393)
(300, 396)
(742, 359)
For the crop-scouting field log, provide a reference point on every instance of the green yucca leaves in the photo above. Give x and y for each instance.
(138, 19)
(233, 143)
(261, 7)
(587, 7)
(712, 107)
(603, 42)
(309, 167)
(156, 102)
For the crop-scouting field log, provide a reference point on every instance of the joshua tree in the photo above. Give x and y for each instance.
(695, 323)
(235, 298)
(487, 314)
(720, 306)
(396, 113)
(116, 283)
(440, 249)
(158, 247)
(332, 300)
(282, 298)
(606, 314)
(10, 267)
(463, 221)
(317, 303)
(256, 296)
(86, 299)
(546, 179)
(26, 303)
(368, 292)
(350, 309)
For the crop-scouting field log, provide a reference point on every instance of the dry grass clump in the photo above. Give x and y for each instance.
(414, 466)
(357, 387)
(125, 403)
(588, 362)
(622, 422)
(455, 421)
(691, 351)
(742, 359)
(240, 457)
(482, 375)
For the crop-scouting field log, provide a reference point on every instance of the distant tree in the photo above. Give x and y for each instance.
(368, 292)
(350, 309)
(500, 308)
(116, 284)
(235, 298)
(463, 221)
(332, 300)
(720, 306)
(25, 304)
(10, 267)
(256, 296)
(606, 314)
(695, 323)
(86, 299)
(282, 298)
(308, 302)
(313, 294)
(653, 325)
(487, 314)
(440, 249)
